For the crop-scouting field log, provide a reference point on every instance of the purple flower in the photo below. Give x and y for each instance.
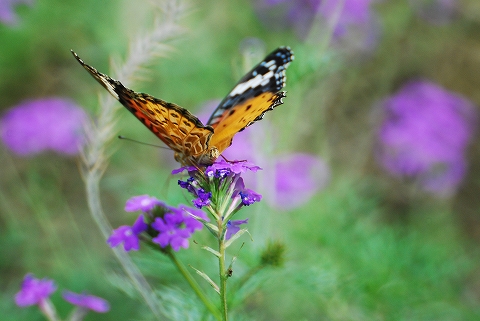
(128, 235)
(425, 134)
(44, 124)
(171, 232)
(144, 203)
(34, 291)
(223, 168)
(7, 15)
(247, 196)
(189, 185)
(233, 227)
(203, 198)
(86, 301)
(184, 168)
(438, 12)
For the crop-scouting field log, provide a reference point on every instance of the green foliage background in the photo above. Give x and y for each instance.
(368, 247)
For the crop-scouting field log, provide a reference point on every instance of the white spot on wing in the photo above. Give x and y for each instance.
(259, 80)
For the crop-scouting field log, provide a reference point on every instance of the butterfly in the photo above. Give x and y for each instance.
(194, 143)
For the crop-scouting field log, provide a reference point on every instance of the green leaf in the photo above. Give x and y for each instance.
(207, 278)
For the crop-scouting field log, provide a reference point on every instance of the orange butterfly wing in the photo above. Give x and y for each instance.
(175, 126)
(255, 94)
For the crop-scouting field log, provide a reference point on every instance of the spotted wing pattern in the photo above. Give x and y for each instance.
(175, 126)
(255, 94)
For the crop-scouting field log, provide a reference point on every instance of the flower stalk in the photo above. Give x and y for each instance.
(194, 285)
(223, 276)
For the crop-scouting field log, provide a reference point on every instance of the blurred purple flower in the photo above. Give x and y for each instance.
(346, 14)
(144, 203)
(297, 178)
(86, 301)
(7, 14)
(437, 12)
(128, 235)
(44, 124)
(349, 19)
(425, 134)
(34, 291)
(233, 227)
(296, 14)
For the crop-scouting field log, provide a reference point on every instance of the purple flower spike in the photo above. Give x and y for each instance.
(233, 227)
(34, 291)
(128, 235)
(44, 124)
(425, 134)
(86, 301)
(144, 203)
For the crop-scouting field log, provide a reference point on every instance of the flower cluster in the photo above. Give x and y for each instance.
(425, 134)
(45, 124)
(219, 183)
(162, 224)
(37, 292)
(221, 191)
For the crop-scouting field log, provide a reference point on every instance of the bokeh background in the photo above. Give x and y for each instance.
(371, 167)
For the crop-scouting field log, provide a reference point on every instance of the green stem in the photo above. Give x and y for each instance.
(194, 285)
(223, 274)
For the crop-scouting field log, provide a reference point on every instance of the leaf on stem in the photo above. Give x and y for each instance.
(236, 236)
(207, 278)
(209, 249)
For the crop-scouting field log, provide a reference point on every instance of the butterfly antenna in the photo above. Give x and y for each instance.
(233, 162)
(141, 143)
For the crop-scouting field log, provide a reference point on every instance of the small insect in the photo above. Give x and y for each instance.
(194, 143)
